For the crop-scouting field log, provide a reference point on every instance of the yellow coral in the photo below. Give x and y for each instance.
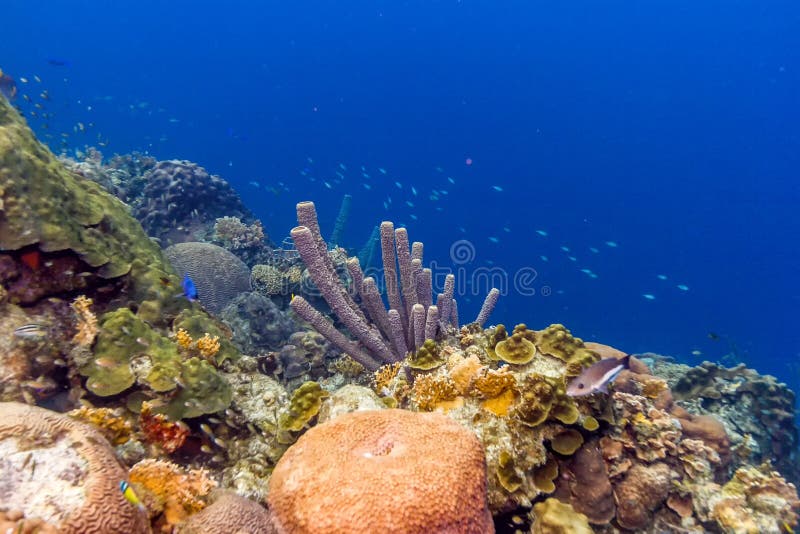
(385, 374)
(491, 383)
(208, 346)
(431, 392)
(463, 370)
(168, 487)
(184, 339)
(86, 321)
(115, 428)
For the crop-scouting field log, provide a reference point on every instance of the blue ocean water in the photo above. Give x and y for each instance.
(656, 144)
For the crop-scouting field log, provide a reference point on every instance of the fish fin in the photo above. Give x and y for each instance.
(603, 388)
(625, 361)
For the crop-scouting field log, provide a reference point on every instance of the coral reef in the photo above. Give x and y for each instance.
(182, 200)
(41, 449)
(235, 235)
(258, 324)
(424, 486)
(757, 411)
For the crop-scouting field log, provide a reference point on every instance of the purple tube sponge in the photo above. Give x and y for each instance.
(330, 287)
(488, 306)
(322, 325)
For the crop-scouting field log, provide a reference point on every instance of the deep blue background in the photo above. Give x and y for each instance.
(670, 128)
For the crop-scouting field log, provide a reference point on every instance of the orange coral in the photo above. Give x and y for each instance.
(161, 431)
(208, 346)
(167, 487)
(114, 427)
(385, 374)
(399, 451)
(431, 392)
(184, 339)
(86, 321)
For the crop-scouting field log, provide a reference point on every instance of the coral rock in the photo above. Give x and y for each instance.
(644, 489)
(394, 471)
(554, 517)
(62, 471)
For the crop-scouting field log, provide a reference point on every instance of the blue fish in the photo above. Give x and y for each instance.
(189, 289)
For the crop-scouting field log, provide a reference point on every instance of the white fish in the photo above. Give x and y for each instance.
(572, 258)
(414, 217)
(506, 229)
(449, 179)
(367, 186)
(587, 271)
(497, 188)
(612, 244)
(661, 276)
(414, 190)
(648, 296)
(382, 171)
(399, 185)
(696, 352)
(494, 239)
(683, 287)
(409, 204)
(544, 258)
(385, 205)
(254, 183)
(342, 166)
(565, 249)
(328, 185)
(594, 250)
(597, 377)
(541, 233)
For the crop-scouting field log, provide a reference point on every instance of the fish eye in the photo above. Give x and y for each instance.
(581, 386)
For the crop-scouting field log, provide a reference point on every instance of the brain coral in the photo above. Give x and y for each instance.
(181, 196)
(218, 274)
(229, 513)
(62, 471)
(392, 471)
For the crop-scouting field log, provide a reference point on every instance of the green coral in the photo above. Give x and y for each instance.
(122, 336)
(566, 442)
(493, 338)
(507, 473)
(557, 341)
(544, 397)
(427, 357)
(544, 476)
(519, 348)
(304, 406)
(555, 517)
(197, 323)
(43, 204)
(202, 391)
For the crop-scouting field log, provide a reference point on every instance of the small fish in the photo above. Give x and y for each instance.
(597, 377)
(544, 258)
(541, 233)
(661, 276)
(32, 331)
(594, 250)
(494, 239)
(130, 495)
(612, 244)
(649, 296)
(382, 171)
(449, 179)
(399, 185)
(189, 289)
(497, 188)
(106, 362)
(414, 190)
(409, 204)
(697, 352)
(683, 287)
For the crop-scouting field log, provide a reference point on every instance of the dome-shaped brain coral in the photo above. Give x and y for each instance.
(43, 449)
(229, 513)
(218, 274)
(394, 471)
